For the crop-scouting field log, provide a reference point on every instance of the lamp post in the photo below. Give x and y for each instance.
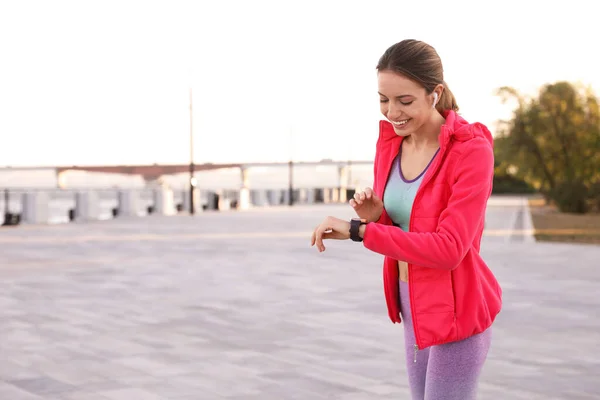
(349, 183)
(7, 215)
(192, 178)
(291, 171)
(291, 188)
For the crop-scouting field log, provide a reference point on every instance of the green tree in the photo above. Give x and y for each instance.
(553, 142)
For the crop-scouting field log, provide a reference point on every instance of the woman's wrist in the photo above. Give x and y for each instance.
(361, 231)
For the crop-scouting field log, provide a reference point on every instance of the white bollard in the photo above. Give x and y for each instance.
(224, 202)
(129, 203)
(335, 195)
(302, 196)
(244, 201)
(164, 201)
(87, 206)
(327, 195)
(273, 197)
(254, 198)
(35, 208)
(343, 194)
(310, 196)
(259, 198)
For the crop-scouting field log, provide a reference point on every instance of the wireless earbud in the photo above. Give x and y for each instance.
(435, 99)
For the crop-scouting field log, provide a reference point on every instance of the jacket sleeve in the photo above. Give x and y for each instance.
(375, 171)
(458, 223)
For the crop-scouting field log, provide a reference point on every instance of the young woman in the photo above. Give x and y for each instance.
(425, 214)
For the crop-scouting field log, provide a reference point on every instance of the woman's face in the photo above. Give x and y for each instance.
(404, 102)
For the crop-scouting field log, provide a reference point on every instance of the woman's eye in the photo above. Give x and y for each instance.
(383, 100)
(406, 104)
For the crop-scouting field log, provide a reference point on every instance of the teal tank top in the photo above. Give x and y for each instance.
(400, 192)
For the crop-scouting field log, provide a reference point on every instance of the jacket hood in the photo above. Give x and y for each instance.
(455, 127)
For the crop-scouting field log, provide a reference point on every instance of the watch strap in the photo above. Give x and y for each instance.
(355, 224)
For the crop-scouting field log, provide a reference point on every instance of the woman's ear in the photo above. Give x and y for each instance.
(437, 95)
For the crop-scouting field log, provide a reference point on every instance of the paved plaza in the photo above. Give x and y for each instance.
(236, 305)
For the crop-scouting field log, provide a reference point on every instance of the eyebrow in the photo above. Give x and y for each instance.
(398, 97)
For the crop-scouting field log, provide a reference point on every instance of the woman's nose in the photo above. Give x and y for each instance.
(393, 111)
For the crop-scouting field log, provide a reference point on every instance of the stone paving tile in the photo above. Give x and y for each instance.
(12, 392)
(177, 387)
(82, 396)
(236, 305)
(43, 386)
(69, 373)
(10, 370)
(129, 394)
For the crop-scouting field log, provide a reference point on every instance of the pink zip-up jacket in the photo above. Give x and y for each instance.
(453, 293)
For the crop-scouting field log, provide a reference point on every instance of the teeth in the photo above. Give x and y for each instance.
(400, 122)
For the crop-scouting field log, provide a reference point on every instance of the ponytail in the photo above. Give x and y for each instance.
(447, 101)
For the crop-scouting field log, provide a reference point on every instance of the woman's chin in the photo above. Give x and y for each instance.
(402, 132)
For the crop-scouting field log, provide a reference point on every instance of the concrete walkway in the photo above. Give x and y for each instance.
(236, 305)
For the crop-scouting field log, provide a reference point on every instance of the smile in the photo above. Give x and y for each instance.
(400, 123)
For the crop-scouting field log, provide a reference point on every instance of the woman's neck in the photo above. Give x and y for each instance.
(427, 136)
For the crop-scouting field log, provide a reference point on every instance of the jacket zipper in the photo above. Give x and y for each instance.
(453, 296)
(425, 181)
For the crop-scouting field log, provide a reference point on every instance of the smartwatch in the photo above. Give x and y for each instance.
(355, 224)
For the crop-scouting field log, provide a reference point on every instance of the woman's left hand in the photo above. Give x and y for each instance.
(330, 228)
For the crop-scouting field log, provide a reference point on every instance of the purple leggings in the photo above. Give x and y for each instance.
(444, 372)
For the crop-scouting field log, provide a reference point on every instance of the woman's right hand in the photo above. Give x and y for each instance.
(367, 205)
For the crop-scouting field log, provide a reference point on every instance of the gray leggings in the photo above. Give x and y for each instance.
(444, 372)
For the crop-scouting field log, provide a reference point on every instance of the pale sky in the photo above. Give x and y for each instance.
(106, 82)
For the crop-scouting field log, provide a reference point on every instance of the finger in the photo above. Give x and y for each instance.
(325, 233)
(357, 198)
(319, 238)
(368, 193)
(313, 238)
(353, 203)
(362, 196)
